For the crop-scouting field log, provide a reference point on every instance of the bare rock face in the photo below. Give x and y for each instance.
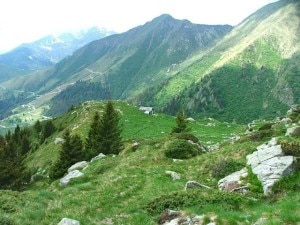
(233, 182)
(270, 164)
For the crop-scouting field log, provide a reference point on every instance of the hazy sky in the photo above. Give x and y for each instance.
(28, 20)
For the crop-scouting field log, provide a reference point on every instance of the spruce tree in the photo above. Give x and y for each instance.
(110, 141)
(48, 130)
(91, 146)
(181, 123)
(71, 153)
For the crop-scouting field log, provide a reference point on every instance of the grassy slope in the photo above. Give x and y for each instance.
(268, 39)
(119, 188)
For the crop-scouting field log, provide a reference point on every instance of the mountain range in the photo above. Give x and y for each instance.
(45, 52)
(233, 74)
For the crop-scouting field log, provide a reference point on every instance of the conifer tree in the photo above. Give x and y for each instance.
(48, 130)
(71, 153)
(91, 146)
(181, 123)
(110, 141)
(12, 169)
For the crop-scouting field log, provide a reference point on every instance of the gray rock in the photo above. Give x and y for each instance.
(78, 166)
(66, 179)
(58, 141)
(285, 121)
(261, 221)
(67, 221)
(194, 184)
(233, 181)
(174, 175)
(100, 156)
(293, 131)
(270, 164)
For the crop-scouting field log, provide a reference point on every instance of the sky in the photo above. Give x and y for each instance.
(23, 21)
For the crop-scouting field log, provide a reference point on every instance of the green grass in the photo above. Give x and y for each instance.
(121, 188)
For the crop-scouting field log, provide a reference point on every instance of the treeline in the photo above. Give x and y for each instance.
(104, 137)
(81, 91)
(14, 147)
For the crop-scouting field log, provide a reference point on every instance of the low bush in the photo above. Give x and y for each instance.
(186, 136)
(266, 126)
(291, 148)
(181, 149)
(224, 168)
(201, 198)
(6, 221)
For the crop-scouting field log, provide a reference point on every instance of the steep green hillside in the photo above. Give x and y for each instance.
(252, 73)
(133, 187)
(128, 63)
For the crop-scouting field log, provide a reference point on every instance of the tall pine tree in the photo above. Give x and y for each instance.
(110, 140)
(91, 144)
(71, 153)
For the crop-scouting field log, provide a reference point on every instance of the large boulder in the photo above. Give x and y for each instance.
(233, 182)
(78, 166)
(67, 221)
(270, 164)
(71, 175)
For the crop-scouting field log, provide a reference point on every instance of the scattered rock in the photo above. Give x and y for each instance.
(58, 141)
(261, 221)
(67, 221)
(285, 121)
(78, 166)
(100, 156)
(190, 119)
(171, 217)
(194, 184)
(174, 175)
(293, 131)
(66, 179)
(270, 164)
(177, 160)
(233, 182)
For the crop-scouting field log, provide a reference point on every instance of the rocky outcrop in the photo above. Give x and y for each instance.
(71, 175)
(78, 166)
(67, 221)
(233, 182)
(270, 164)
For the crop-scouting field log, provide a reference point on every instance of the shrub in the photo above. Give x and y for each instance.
(186, 136)
(200, 198)
(181, 149)
(6, 221)
(224, 168)
(266, 126)
(288, 183)
(260, 135)
(255, 184)
(291, 148)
